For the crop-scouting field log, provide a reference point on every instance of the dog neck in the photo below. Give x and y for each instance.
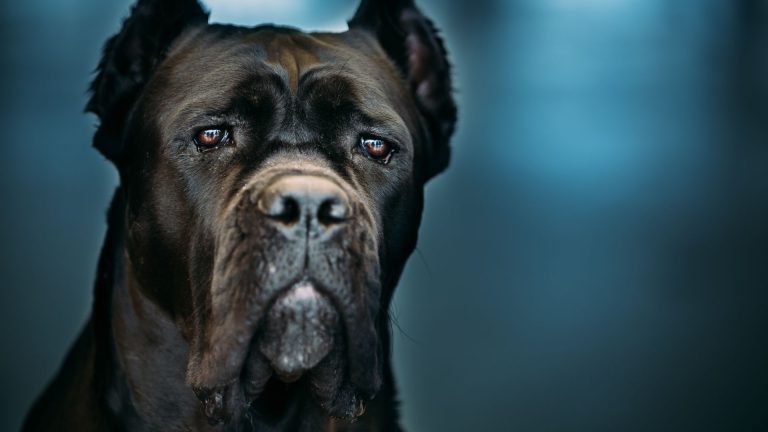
(148, 390)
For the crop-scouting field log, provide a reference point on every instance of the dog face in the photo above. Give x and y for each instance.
(274, 186)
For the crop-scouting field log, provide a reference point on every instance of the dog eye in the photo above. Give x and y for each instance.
(208, 139)
(377, 149)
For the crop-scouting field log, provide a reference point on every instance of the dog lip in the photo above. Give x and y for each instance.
(299, 331)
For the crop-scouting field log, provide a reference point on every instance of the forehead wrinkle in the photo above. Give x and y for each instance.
(290, 58)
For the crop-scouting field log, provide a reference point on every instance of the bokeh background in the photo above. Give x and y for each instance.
(595, 258)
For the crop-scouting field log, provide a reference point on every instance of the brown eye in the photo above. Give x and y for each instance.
(377, 149)
(208, 139)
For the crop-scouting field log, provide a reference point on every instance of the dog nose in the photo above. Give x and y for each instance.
(305, 200)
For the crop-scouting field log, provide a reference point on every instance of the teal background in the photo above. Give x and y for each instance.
(595, 258)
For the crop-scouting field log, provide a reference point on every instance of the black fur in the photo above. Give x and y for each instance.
(191, 264)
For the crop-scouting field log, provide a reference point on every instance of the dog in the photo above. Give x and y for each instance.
(271, 190)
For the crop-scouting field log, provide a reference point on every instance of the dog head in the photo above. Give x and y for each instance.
(273, 181)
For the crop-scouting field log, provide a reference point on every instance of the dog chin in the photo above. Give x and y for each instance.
(302, 337)
(299, 349)
(327, 384)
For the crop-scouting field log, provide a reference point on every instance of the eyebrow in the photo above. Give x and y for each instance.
(311, 75)
(381, 118)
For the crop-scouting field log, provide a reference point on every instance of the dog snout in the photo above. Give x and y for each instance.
(312, 201)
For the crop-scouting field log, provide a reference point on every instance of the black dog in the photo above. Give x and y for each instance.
(271, 192)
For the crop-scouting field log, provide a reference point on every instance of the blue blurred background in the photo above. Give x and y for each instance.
(595, 258)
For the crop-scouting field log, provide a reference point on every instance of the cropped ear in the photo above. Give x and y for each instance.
(128, 61)
(413, 43)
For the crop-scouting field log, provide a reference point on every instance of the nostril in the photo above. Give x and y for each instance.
(285, 209)
(332, 211)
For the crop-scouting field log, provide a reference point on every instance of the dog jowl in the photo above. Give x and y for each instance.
(271, 192)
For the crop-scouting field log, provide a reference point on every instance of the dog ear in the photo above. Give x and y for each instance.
(413, 43)
(128, 61)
